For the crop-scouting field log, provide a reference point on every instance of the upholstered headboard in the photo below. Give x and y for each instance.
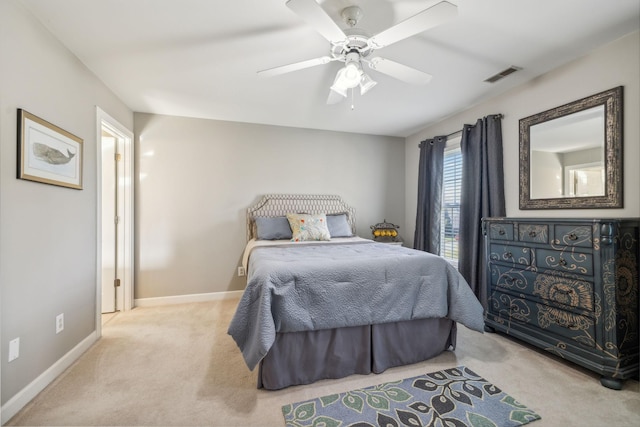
(281, 204)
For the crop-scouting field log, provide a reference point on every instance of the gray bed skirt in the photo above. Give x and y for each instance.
(305, 357)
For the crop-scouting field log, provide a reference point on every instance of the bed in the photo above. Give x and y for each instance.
(325, 309)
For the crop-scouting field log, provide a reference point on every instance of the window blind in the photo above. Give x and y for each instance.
(450, 212)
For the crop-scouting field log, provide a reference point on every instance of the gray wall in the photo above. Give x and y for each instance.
(547, 178)
(589, 155)
(47, 233)
(198, 177)
(616, 64)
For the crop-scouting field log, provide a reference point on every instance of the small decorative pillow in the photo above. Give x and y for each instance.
(308, 227)
(338, 225)
(273, 228)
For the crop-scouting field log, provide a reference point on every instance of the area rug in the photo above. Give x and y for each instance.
(453, 397)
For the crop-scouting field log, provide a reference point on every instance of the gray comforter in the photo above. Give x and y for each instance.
(299, 288)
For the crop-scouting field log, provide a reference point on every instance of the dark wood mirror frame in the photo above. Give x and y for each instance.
(612, 101)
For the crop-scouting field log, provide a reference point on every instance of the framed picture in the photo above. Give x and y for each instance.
(47, 153)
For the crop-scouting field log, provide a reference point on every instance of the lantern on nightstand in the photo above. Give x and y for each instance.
(385, 232)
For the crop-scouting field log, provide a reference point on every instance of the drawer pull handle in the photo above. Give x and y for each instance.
(564, 291)
(573, 236)
(508, 255)
(532, 234)
(502, 232)
(562, 262)
(572, 326)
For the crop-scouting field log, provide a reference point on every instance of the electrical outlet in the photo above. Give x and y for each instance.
(241, 271)
(59, 323)
(14, 349)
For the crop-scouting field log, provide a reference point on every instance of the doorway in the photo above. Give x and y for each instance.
(115, 216)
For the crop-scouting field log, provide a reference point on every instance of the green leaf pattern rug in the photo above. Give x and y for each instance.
(455, 397)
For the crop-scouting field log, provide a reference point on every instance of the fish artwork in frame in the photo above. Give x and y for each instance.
(47, 153)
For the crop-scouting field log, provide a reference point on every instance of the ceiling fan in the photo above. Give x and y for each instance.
(354, 46)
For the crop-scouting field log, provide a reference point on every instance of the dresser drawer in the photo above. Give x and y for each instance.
(513, 279)
(568, 261)
(554, 320)
(534, 233)
(573, 235)
(573, 293)
(501, 231)
(511, 308)
(570, 325)
(510, 254)
(564, 290)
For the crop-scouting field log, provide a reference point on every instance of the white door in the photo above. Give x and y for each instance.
(115, 216)
(112, 239)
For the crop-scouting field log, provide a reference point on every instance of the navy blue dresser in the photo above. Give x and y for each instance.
(568, 286)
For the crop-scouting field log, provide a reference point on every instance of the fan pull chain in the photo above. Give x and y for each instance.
(352, 102)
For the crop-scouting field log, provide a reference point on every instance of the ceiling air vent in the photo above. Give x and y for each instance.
(502, 74)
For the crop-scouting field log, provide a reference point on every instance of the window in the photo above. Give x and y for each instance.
(450, 212)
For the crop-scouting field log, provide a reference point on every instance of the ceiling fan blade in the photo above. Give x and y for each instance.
(428, 18)
(314, 15)
(399, 71)
(295, 66)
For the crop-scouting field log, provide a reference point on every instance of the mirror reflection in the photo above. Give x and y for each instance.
(567, 155)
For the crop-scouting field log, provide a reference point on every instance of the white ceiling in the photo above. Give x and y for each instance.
(199, 58)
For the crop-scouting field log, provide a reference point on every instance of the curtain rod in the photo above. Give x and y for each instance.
(497, 116)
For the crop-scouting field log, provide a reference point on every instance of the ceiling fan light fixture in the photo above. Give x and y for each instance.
(339, 90)
(348, 77)
(366, 83)
(338, 85)
(352, 75)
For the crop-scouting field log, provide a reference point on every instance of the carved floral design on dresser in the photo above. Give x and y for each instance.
(502, 232)
(511, 254)
(625, 292)
(533, 233)
(577, 236)
(512, 308)
(597, 312)
(558, 349)
(609, 290)
(548, 316)
(564, 290)
(568, 260)
(626, 277)
(512, 279)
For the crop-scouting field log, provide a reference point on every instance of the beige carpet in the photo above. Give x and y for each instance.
(176, 366)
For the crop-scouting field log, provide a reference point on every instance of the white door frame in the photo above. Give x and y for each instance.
(104, 119)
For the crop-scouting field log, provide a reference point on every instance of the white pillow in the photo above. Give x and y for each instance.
(308, 227)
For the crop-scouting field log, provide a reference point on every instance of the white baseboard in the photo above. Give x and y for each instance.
(25, 395)
(181, 299)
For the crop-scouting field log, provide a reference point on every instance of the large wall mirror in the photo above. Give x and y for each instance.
(571, 156)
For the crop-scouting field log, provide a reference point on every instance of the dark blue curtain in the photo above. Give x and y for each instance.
(427, 234)
(482, 195)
